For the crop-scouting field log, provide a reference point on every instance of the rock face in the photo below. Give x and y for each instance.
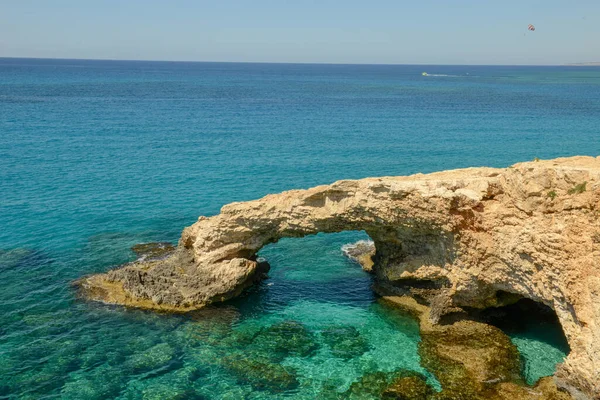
(483, 236)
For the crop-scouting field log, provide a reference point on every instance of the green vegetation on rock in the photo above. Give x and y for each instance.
(577, 189)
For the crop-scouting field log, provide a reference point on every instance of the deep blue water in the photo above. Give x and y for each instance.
(96, 156)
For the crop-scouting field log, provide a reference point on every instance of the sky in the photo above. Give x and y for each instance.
(303, 31)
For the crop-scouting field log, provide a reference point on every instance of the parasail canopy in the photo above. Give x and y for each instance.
(531, 27)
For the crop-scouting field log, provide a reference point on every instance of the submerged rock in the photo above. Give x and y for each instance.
(345, 341)
(21, 258)
(370, 385)
(287, 338)
(99, 383)
(479, 231)
(175, 385)
(261, 373)
(151, 359)
(259, 360)
(402, 385)
(411, 387)
(275, 342)
(211, 325)
(153, 250)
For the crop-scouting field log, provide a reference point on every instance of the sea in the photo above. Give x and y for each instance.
(97, 156)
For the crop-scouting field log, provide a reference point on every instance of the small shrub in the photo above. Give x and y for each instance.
(536, 159)
(552, 194)
(578, 188)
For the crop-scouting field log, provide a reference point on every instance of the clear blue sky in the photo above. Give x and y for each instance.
(349, 31)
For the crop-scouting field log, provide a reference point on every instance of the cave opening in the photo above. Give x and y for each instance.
(535, 330)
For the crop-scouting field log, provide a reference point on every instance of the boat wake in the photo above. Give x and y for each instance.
(446, 75)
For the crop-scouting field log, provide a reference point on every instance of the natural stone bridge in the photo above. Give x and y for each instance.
(531, 230)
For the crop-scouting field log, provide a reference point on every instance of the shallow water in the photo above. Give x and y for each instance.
(98, 156)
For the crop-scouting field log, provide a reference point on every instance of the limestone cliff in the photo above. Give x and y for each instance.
(532, 229)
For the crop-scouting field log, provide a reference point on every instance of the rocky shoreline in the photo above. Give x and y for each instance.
(471, 359)
(465, 239)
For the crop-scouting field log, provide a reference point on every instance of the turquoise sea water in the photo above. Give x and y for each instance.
(96, 156)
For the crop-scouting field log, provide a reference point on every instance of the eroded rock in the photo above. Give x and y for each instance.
(531, 230)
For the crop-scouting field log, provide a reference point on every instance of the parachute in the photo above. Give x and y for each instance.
(531, 28)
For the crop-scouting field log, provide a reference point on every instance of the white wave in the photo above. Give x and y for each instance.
(353, 250)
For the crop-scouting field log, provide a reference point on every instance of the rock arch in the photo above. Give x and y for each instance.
(532, 230)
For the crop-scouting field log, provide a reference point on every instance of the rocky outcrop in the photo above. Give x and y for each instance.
(477, 234)
(471, 359)
(361, 252)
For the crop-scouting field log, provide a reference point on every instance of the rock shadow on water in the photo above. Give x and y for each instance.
(22, 259)
(109, 248)
(283, 293)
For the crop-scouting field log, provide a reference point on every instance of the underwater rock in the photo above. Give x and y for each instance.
(410, 387)
(545, 389)
(261, 352)
(175, 385)
(261, 373)
(287, 338)
(22, 258)
(13, 258)
(99, 383)
(345, 341)
(153, 358)
(370, 385)
(275, 342)
(153, 250)
(211, 325)
(532, 229)
(402, 384)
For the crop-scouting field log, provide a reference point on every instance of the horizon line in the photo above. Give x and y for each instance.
(588, 63)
